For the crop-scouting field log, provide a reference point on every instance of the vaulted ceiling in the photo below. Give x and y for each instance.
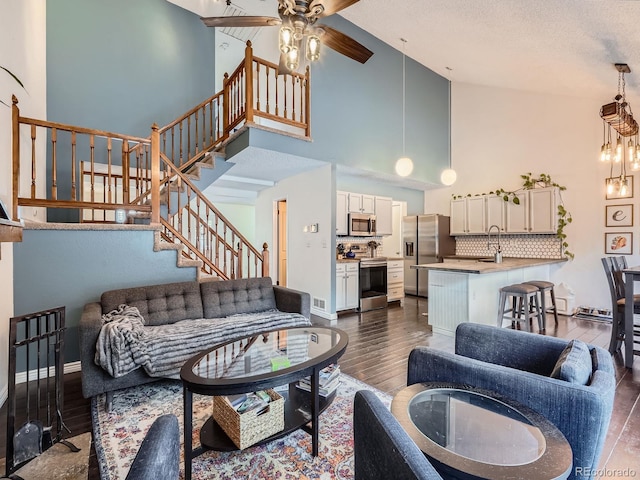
(565, 47)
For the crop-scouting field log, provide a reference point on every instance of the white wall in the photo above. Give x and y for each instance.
(499, 134)
(311, 256)
(22, 36)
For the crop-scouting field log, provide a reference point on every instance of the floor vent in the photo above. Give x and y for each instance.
(319, 303)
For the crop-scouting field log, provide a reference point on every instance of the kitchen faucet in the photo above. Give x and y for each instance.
(498, 253)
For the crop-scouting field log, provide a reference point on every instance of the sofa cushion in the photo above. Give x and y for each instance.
(247, 295)
(158, 304)
(574, 364)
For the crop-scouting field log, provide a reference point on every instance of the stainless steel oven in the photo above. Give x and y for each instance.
(373, 283)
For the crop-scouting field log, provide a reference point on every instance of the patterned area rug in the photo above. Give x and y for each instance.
(118, 434)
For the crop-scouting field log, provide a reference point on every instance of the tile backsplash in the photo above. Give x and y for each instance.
(522, 246)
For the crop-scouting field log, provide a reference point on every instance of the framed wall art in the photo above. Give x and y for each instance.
(618, 243)
(615, 194)
(619, 215)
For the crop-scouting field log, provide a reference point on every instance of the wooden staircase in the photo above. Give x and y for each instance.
(159, 179)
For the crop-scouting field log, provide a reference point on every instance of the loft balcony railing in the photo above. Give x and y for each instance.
(96, 173)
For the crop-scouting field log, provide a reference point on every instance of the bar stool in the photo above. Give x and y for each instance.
(521, 297)
(543, 288)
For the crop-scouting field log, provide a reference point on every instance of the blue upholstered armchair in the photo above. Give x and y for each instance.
(382, 449)
(518, 365)
(159, 455)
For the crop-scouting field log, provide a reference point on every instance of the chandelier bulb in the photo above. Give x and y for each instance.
(631, 148)
(609, 186)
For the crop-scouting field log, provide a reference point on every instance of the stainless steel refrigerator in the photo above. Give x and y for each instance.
(425, 239)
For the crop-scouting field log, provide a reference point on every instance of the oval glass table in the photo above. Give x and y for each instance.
(247, 365)
(470, 433)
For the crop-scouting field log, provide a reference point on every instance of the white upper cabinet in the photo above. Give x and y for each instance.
(468, 216)
(342, 225)
(383, 209)
(536, 212)
(518, 214)
(361, 203)
(496, 212)
(543, 210)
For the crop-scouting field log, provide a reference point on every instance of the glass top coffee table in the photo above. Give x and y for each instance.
(247, 365)
(472, 433)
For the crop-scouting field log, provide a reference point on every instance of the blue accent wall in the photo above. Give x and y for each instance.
(356, 112)
(70, 268)
(120, 66)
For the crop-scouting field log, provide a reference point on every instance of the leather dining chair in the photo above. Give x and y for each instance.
(613, 267)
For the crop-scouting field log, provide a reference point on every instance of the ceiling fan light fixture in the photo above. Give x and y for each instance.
(313, 48)
(285, 39)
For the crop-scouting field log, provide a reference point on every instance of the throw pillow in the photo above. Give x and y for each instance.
(574, 364)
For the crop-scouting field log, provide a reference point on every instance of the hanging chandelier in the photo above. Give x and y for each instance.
(617, 116)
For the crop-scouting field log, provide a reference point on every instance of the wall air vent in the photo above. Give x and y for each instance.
(319, 303)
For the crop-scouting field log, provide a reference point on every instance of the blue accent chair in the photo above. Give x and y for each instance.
(159, 455)
(518, 365)
(382, 449)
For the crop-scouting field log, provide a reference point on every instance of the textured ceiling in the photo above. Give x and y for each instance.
(565, 47)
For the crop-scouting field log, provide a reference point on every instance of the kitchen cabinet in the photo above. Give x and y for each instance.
(496, 208)
(536, 213)
(395, 280)
(347, 288)
(361, 203)
(342, 217)
(468, 216)
(383, 208)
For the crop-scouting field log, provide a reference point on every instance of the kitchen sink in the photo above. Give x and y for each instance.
(487, 260)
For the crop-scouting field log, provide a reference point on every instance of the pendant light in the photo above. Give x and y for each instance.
(404, 165)
(449, 176)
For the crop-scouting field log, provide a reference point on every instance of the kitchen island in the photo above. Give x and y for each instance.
(467, 289)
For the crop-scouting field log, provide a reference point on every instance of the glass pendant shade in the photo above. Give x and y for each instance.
(448, 177)
(293, 58)
(404, 166)
(624, 185)
(313, 48)
(285, 39)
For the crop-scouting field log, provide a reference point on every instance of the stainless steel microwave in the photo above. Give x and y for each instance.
(362, 225)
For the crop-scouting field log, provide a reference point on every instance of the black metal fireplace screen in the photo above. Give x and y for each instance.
(36, 388)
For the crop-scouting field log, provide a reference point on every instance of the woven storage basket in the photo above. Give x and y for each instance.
(248, 428)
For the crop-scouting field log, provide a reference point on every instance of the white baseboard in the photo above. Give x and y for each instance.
(323, 314)
(21, 377)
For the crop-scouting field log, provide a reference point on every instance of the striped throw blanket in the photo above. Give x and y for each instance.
(126, 343)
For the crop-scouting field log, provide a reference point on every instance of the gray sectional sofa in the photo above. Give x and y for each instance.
(239, 308)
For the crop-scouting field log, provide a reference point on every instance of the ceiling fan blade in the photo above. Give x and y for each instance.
(240, 21)
(344, 44)
(332, 6)
(282, 66)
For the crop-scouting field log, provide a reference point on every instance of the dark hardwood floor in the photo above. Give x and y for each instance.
(379, 344)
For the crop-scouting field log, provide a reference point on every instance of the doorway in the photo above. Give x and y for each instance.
(281, 239)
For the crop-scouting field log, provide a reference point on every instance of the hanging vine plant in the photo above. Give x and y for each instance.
(529, 182)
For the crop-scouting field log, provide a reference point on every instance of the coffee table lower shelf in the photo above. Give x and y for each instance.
(297, 401)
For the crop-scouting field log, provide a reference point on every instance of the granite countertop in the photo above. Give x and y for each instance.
(347, 260)
(472, 265)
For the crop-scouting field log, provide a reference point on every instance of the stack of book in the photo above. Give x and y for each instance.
(245, 402)
(329, 381)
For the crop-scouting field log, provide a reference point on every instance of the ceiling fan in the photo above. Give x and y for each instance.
(298, 19)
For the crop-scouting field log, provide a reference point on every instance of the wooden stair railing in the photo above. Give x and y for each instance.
(206, 234)
(97, 173)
